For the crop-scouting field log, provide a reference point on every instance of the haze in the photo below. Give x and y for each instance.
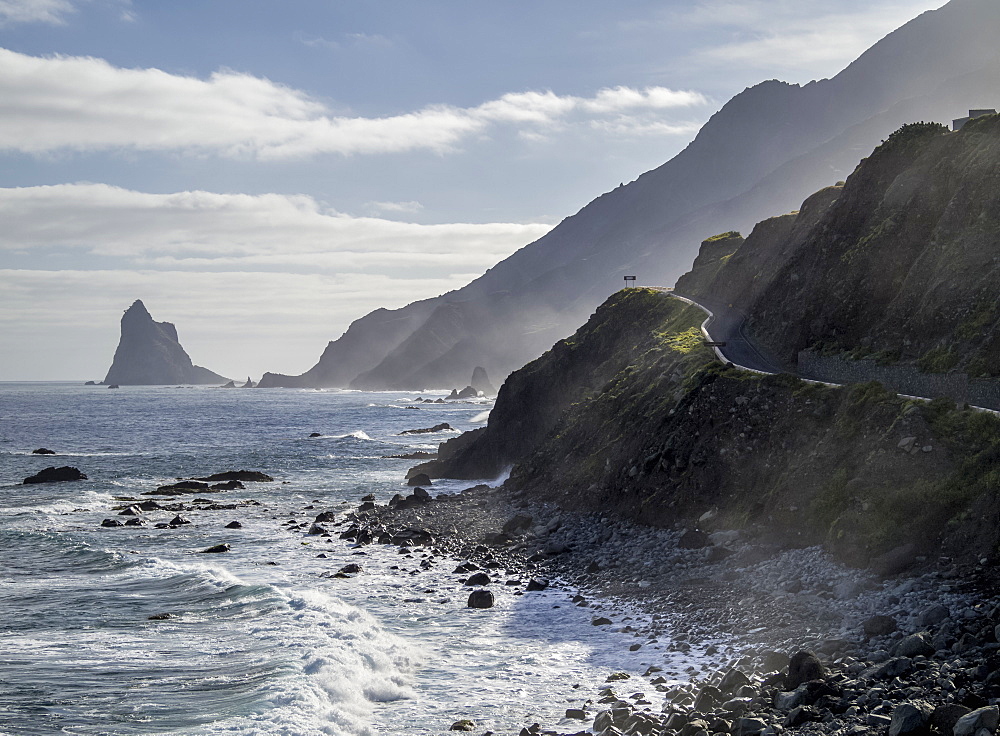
(262, 174)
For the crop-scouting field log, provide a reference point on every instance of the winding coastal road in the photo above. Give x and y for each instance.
(725, 325)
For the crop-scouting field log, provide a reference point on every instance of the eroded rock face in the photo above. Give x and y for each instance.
(150, 354)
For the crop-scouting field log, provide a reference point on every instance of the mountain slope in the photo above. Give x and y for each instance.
(764, 151)
(149, 354)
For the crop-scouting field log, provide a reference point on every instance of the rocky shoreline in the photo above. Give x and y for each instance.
(789, 640)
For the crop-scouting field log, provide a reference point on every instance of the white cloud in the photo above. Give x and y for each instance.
(793, 37)
(408, 208)
(86, 104)
(34, 11)
(255, 232)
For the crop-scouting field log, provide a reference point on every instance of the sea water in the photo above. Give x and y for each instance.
(260, 639)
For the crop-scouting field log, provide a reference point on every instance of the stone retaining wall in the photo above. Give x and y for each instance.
(902, 379)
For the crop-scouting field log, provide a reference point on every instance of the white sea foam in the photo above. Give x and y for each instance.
(481, 417)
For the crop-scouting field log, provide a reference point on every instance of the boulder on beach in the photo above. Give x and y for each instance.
(480, 599)
(478, 579)
(803, 667)
(420, 479)
(55, 475)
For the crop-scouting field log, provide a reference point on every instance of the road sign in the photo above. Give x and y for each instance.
(629, 278)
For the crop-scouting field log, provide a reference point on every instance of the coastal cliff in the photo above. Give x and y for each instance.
(150, 354)
(633, 416)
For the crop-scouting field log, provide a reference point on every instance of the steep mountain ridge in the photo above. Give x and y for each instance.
(149, 354)
(762, 152)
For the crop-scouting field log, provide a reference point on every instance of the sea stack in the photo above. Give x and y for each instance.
(481, 382)
(149, 354)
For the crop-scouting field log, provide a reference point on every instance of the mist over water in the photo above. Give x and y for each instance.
(260, 640)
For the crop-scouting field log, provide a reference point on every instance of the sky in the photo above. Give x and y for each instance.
(261, 173)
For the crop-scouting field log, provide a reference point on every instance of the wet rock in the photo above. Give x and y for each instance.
(179, 521)
(420, 479)
(480, 578)
(325, 517)
(112, 522)
(749, 726)
(159, 617)
(184, 486)
(216, 548)
(600, 621)
(480, 599)
(229, 485)
(317, 529)
(55, 475)
(896, 667)
(577, 714)
(130, 511)
(421, 494)
(234, 525)
(537, 584)
(733, 681)
(463, 725)
(351, 569)
(150, 506)
(251, 476)
(443, 427)
(43, 451)
(135, 521)
(801, 714)
(803, 667)
(315, 434)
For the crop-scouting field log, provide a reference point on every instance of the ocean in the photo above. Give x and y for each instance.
(132, 630)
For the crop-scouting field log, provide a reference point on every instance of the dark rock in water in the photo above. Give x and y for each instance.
(325, 516)
(420, 479)
(231, 384)
(184, 486)
(55, 475)
(453, 394)
(444, 426)
(315, 434)
(481, 382)
(369, 497)
(114, 385)
(465, 567)
(418, 455)
(317, 529)
(352, 569)
(693, 539)
(467, 393)
(438, 401)
(251, 476)
(421, 494)
(159, 617)
(150, 506)
(112, 522)
(479, 578)
(135, 521)
(480, 599)
(803, 667)
(464, 725)
(248, 384)
(879, 626)
(234, 525)
(149, 354)
(366, 506)
(179, 521)
(600, 621)
(217, 548)
(577, 714)
(130, 511)
(43, 451)
(90, 383)
(229, 485)
(537, 584)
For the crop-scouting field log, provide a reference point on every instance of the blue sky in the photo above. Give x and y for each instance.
(261, 173)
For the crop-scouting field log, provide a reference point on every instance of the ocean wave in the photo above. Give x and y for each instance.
(481, 417)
